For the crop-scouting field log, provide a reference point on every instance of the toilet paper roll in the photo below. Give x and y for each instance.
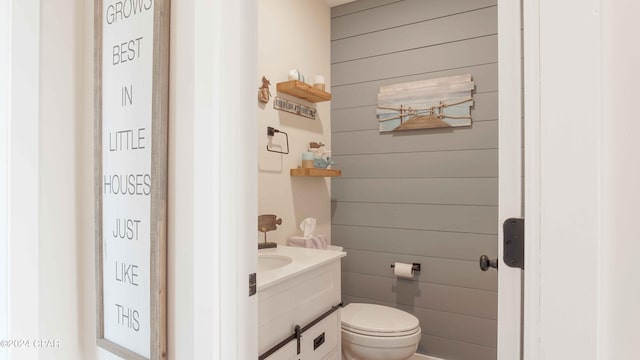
(402, 270)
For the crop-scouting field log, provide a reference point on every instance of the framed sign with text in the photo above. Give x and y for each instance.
(131, 73)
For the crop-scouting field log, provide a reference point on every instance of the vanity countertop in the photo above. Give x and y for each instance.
(302, 260)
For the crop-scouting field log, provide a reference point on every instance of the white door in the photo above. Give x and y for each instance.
(510, 200)
(582, 172)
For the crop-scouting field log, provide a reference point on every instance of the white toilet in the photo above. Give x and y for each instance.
(376, 332)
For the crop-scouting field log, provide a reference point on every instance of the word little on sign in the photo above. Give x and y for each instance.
(130, 139)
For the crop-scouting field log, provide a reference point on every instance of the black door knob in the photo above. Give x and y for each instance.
(486, 263)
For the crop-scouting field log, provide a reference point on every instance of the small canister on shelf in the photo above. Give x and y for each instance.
(318, 82)
(307, 159)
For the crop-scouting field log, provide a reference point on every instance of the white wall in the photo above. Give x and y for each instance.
(181, 162)
(61, 274)
(292, 35)
(24, 152)
(44, 271)
(620, 241)
(5, 72)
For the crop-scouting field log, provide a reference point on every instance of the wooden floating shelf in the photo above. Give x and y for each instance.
(315, 172)
(303, 91)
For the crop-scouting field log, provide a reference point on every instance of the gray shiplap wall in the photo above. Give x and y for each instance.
(426, 196)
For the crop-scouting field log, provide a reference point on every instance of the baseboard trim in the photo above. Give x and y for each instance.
(423, 357)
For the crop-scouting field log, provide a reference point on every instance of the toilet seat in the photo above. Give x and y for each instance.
(378, 321)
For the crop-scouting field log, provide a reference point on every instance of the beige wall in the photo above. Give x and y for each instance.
(293, 34)
(61, 273)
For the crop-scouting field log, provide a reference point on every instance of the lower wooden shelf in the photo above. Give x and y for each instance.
(315, 172)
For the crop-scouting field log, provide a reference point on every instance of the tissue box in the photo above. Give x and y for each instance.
(319, 241)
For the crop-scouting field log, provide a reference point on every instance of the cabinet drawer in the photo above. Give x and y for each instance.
(322, 339)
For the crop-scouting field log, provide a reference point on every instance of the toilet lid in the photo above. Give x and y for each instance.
(378, 320)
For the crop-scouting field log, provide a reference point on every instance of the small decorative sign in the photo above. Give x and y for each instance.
(131, 97)
(293, 107)
(427, 104)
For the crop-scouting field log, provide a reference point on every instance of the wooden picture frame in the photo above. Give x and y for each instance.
(158, 97)
(442, 102)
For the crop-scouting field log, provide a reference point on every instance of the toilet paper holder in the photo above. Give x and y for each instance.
(415, 267)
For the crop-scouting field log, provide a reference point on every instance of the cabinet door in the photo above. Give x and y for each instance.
(288, 352)
(322, 340)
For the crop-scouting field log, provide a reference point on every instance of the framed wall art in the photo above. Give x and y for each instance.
(131, 74)
(426, 104)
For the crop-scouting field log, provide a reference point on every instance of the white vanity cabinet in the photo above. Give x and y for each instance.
(304, 292)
